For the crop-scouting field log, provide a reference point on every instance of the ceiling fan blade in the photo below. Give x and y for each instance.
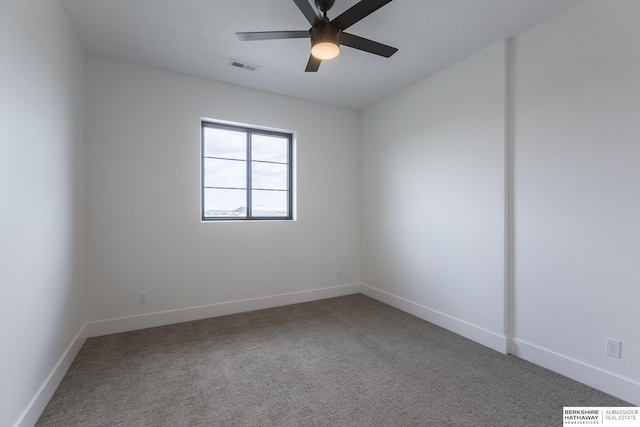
(308, 11)
(367, 45)
(357, 12)
(313, 64)
(273, 35)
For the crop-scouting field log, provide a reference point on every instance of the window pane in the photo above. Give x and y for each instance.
(269, 203)
(270, 148)
(225, 173)
(225, 203)
(272, 176)
(229, 153)
(228, 144)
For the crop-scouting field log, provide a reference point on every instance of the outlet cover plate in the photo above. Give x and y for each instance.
(613, 348)
(142, 298)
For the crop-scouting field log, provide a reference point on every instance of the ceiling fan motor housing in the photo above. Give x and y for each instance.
(324, 31)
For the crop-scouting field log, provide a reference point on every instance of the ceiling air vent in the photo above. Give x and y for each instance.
(243, 65)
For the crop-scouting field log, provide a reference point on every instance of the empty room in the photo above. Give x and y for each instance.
(319, 213)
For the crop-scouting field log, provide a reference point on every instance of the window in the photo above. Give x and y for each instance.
(246, 173)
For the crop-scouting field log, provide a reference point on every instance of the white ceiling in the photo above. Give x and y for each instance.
(197, 37)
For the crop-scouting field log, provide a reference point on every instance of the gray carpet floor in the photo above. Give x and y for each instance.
(348, 361)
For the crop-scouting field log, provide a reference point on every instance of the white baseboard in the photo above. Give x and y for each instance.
(608, 382)
(615, 385)
(150, 320)
(475, 333)
(34, 409)
(103, 327)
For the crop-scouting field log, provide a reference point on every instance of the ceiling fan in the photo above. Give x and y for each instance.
(327, 35)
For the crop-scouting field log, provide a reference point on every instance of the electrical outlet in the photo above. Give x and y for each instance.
(339, 274)
(613, 348)
(142, 298)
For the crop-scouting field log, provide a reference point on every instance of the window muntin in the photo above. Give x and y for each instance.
(245, 167)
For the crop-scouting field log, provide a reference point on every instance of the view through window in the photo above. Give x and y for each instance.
(246, 173)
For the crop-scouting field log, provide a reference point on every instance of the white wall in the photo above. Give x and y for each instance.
(433, 198)
(143, 172)
(41, 196)
(577, 204)
(429, 179)
(433, 204)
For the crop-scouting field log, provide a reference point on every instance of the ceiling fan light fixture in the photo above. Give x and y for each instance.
(325, 49)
